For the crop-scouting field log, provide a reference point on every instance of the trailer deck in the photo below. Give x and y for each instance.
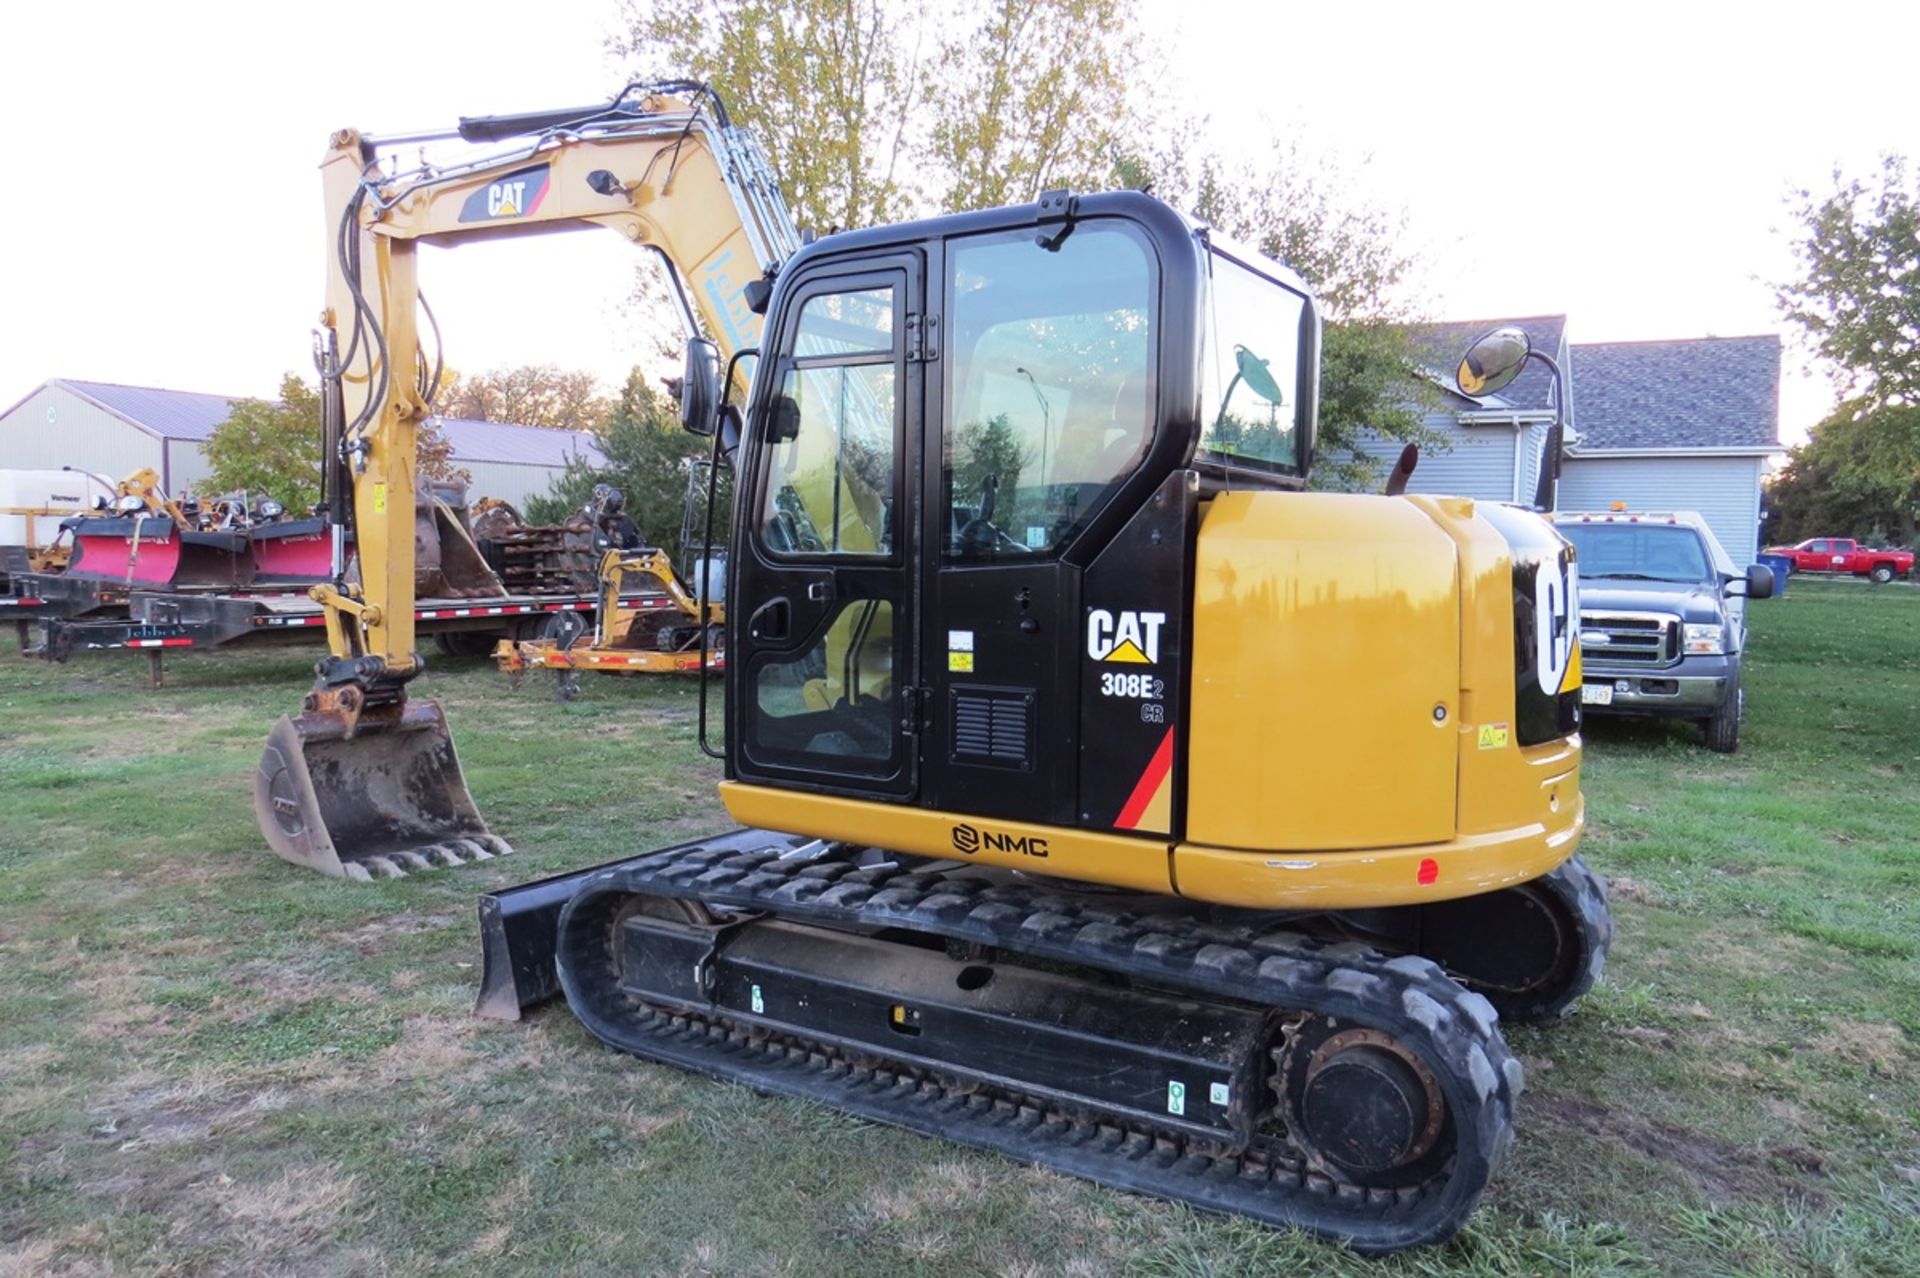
(157, 622)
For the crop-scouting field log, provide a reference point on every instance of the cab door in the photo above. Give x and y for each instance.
(822, 651)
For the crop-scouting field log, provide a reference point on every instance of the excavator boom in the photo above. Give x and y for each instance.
(362, 782)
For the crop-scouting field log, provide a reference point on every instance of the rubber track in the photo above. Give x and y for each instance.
(1585, 895)
(1158, 941)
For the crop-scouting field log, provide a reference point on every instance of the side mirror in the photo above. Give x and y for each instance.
(1759, 581)
(700, 387)
(786, 420)
(1493, 361)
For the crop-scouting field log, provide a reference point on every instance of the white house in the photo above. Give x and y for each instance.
(1665, 425)
(114, 430)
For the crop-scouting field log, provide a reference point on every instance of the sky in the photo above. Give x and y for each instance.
(1623, 163)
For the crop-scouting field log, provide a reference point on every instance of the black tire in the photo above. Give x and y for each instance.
(465, 643)
(1881, 574)
(1723, 730)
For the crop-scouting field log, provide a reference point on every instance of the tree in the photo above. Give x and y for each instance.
(530, 395)
(273, 448)
(985, 104)
(992, 103)
(1857, 475)
(270, 448)
(646, 456)
(1859, 295)
(1031, 98)
(827, 86)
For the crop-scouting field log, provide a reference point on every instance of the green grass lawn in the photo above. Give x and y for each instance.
(212, 1063)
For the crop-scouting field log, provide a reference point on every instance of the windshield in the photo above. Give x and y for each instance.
(1650, 552)
(1252, 403)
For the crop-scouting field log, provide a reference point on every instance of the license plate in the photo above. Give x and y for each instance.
(1596, 694)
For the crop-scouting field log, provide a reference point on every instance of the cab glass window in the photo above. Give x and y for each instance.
(1252, 409)
(1049, 384)
(846, 324)
(832, 431)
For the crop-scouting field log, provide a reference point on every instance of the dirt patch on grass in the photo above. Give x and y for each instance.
(1723, 1172)
(1772, 955)
(1622, 888)
(367, 937)
(176, 1113)
(1883, 1049)
(30, 1258)
(30, 1059)
(431, 1048)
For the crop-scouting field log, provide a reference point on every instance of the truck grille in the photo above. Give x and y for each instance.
(1629, 638)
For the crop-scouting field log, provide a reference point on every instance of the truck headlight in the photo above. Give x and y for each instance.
(1707, 640)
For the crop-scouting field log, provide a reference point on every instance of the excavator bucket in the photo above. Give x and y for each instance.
(447, 561)
(374, 803)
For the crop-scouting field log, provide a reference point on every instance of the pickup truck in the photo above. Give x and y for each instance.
(1662, 619)
(1844, 555)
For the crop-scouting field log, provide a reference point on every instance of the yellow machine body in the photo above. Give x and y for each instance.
(1352, 739)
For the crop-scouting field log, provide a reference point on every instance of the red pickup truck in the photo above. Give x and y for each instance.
(1844, 555)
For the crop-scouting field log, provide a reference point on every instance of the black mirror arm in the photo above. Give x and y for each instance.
(1545, 491)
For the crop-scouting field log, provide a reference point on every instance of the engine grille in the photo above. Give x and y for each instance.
(1650, 639)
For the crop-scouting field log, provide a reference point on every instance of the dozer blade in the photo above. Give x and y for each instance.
(518, 931)
(386, 800)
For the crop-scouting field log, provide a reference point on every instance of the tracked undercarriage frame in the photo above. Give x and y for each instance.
(1300, 1080)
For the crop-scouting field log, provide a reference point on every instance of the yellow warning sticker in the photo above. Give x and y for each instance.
(379, 499)
(1493, 736)
(960, 661)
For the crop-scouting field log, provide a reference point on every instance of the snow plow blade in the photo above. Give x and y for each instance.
(373, 801)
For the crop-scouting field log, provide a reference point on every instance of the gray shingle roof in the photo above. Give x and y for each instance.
(1443, 344)
(1704, 392)
(190, 415)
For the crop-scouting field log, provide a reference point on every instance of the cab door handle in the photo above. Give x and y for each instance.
(770, 620)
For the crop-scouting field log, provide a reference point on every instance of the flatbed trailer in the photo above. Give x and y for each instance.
(31, 597)
(160, 622)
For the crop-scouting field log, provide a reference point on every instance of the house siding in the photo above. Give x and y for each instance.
(508, 481)
(53, 427)
(1478, 464)
(1725, 490)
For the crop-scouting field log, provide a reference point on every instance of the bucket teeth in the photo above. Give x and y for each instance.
(428, 856)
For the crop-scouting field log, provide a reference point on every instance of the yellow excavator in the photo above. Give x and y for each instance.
(1105, 798)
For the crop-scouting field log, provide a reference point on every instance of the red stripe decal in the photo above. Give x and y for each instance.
(1144, 789)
